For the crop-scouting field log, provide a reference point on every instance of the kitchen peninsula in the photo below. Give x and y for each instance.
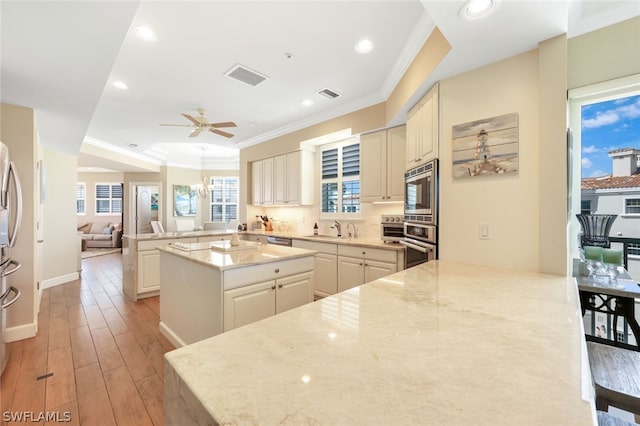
(441, 344)
(210, 288)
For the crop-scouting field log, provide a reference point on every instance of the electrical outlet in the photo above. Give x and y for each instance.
(484, 231)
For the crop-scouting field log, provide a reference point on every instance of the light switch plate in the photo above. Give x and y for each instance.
(484, 231)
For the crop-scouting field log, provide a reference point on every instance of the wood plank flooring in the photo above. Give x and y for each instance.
(101, 353)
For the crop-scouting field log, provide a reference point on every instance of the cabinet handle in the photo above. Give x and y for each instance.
(273, 287)
(277, 270)
(360, 264)
(364, 252)
(280, 285)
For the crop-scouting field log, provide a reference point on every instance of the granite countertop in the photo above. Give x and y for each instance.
(360, 242)
(173, 235)
(440, 344)
(247, 254)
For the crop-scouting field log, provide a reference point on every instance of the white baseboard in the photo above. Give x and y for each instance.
(52, 282)
(12, 334)
(171, 336)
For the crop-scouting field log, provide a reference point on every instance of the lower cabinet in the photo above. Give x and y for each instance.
(254, 302)
(325, 265)
(148, 270)
(358, 265)
(254, 237)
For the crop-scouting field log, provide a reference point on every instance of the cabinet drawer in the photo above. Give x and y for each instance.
(252, 274)
(210, 238)
(254, 237)
(321, 247)
(153, 244)
(368, 253)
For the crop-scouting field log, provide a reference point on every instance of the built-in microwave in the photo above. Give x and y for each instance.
(420, 193)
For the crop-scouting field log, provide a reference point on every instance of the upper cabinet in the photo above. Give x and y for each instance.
(285, 180)
(422, 130)
(262, 182)
(383, 165)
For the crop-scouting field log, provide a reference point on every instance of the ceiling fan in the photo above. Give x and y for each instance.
(201, 124)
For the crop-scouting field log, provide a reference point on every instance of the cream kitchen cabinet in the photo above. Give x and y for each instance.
(358, 265)
(293, 178)
(254, 237)
(148, 266)
(250, 303)
(212, 238)
(325, 265)
(423, 130)
(383, 165)
(262, 182)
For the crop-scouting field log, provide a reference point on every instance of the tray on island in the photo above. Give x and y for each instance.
(225, 246)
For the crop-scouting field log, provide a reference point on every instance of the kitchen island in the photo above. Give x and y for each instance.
(210, 288)
(438, 344)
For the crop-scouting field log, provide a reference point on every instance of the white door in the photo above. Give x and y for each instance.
(249, 304)
(294, 291)
(350, 272)
(143, 210)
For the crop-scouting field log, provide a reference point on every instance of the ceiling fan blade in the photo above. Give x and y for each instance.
(194, 133)
(221, 133)
(191, 118)
(178, 125)
(225, 124)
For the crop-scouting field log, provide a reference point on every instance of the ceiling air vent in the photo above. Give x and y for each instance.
(245, 75)
(328, 93)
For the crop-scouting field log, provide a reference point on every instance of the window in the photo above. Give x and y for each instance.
(633, 249)
(340, 179)
(81, 198)
(108, 198)
(224, 199)
(632, 206)
(585, 207)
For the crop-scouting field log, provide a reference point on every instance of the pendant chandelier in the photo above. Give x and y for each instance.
(203, 189)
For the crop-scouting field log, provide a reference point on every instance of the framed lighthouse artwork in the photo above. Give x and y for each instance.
(485, 147)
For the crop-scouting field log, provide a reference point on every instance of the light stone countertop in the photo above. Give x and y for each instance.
(361, 242)
(438, 344)
(263, 253)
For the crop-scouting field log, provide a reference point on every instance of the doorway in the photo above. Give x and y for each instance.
(145, 206)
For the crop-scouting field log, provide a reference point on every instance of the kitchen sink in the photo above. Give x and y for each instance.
(327, 237)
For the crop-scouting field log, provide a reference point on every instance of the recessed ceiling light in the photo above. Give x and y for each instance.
(307, 102)
(364, 46)
(145, 33)
(474, 9)
(120, 85)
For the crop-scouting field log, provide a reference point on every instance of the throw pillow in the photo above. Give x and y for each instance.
(107, 230)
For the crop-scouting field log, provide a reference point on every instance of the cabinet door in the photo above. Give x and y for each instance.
(325, 267)
(413, 129)
(280, 180)
(426, 148)
(373, 172)
(294, 291)
(395, 156)
(374, 270)
(294, 178)
(267, 181)
(148, 271)
(256, 182)
(350, 272)
(248, 304)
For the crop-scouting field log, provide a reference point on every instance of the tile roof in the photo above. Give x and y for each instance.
(611, 182)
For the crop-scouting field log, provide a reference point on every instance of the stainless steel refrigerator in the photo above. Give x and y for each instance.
(10, 219)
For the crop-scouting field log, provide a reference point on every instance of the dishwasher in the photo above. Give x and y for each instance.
(280, 241)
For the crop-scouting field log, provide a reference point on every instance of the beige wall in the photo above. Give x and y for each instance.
(509, 204)
(17, 131)
(91, 179)
(61, 250)
(602, 55)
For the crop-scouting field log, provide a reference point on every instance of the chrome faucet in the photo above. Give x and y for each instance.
(338, 227)
(355, 230)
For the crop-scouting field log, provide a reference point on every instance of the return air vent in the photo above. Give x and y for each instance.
(328, 93)
(245, 75)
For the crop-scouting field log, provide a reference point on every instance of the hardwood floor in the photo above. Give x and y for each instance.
(97, 356)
